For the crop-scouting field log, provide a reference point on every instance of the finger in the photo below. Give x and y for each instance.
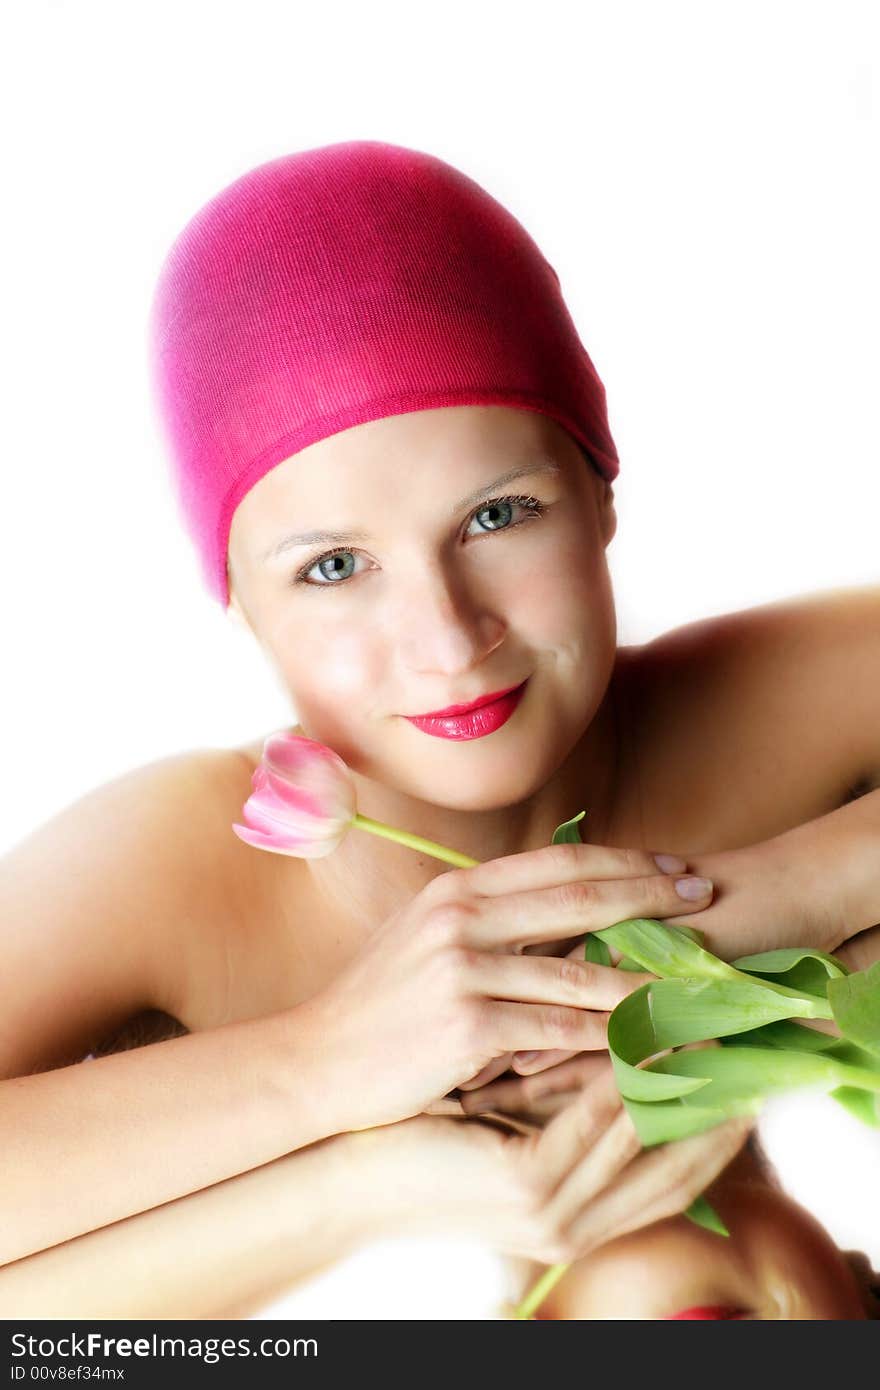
(550, 980)
(446, 1105)
(488, 1073)
(553, 864)
(578, 1127)
(545, 1107)
(575, 905)
(538, 1114)
(659, 1183)
(613, 1149)
(530, 1063)
(519, 1092)
(510, 1027)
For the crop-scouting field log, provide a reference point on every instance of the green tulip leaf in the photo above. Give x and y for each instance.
(740, 1073)
(664, 1014)
(595, 951)
(661, 1121)
(665, 950)
(784, 1033)
(567, 833)
(806, 971)
(702, 1213)
(855, 1005)
(862, 1104)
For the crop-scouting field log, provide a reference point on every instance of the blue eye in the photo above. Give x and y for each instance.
(503, 506)
(500, 510)
(337, 560)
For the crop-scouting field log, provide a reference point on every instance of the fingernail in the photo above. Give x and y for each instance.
(693, 887)
(670, 863)
(524, 1057)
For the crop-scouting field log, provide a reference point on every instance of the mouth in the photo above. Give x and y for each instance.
(473, 720)
(452, 710)
(707, 1313)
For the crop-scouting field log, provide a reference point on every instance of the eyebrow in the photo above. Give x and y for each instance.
(295, 538)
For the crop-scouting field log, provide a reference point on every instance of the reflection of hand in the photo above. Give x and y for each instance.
(537, 1097)
(551, 1196)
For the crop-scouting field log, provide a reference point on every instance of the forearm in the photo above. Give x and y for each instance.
(848, 848)
(102, 1140)
(860, 951)
(225, 1251)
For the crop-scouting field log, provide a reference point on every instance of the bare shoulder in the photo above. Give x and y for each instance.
(99, 906)
(777, 702)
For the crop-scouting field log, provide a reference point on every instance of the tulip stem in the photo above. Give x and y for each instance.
(539, 1291)
(404, 837)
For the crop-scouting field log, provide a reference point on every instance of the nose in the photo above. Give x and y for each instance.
(442, 627)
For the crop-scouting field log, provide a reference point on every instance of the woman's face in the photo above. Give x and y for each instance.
(777, 1264)
(440, 597)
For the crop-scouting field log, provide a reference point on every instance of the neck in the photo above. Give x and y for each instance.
(371, 877)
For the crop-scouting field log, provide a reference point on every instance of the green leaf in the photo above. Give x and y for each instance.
(741, 1073)
(664, 1014)
(849, 1052)
(595, 950)
(702, 1213)
(803, 970)
(659, 1122)
(672, 952)
(855, 1005)
(860, 1103)
(567, 833)
(665, 950)
(631, 1039)
(784, 1032)
(750, 1007)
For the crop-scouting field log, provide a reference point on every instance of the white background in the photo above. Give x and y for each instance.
(704, 179)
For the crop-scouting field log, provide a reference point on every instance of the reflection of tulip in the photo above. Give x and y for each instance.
(303, 802)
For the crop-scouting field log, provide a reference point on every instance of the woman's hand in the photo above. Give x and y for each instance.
(551, 1196)
(445, 986)
(776, 893)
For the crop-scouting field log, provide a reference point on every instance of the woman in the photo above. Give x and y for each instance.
(357, 340)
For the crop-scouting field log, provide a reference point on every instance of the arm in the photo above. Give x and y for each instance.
(551, 1195)
(861, 951)
(852, 846)
(93, 1143)
(815, 885)
(223, 1252)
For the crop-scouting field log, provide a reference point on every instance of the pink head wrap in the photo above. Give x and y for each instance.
(343, 284)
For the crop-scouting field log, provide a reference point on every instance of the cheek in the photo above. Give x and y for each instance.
(569, 609)
(331, 671)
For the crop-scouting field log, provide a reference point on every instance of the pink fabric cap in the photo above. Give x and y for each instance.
(343, 284)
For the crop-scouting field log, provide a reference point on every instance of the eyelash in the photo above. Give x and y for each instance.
(534, 506)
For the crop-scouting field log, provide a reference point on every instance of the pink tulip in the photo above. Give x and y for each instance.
(303, 802)
(303, 798)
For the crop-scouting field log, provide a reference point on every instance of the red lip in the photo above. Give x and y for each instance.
(476, 721)
(466, 709)
(706, 1313)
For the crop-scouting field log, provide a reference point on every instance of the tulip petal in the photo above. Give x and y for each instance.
(302, 800)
